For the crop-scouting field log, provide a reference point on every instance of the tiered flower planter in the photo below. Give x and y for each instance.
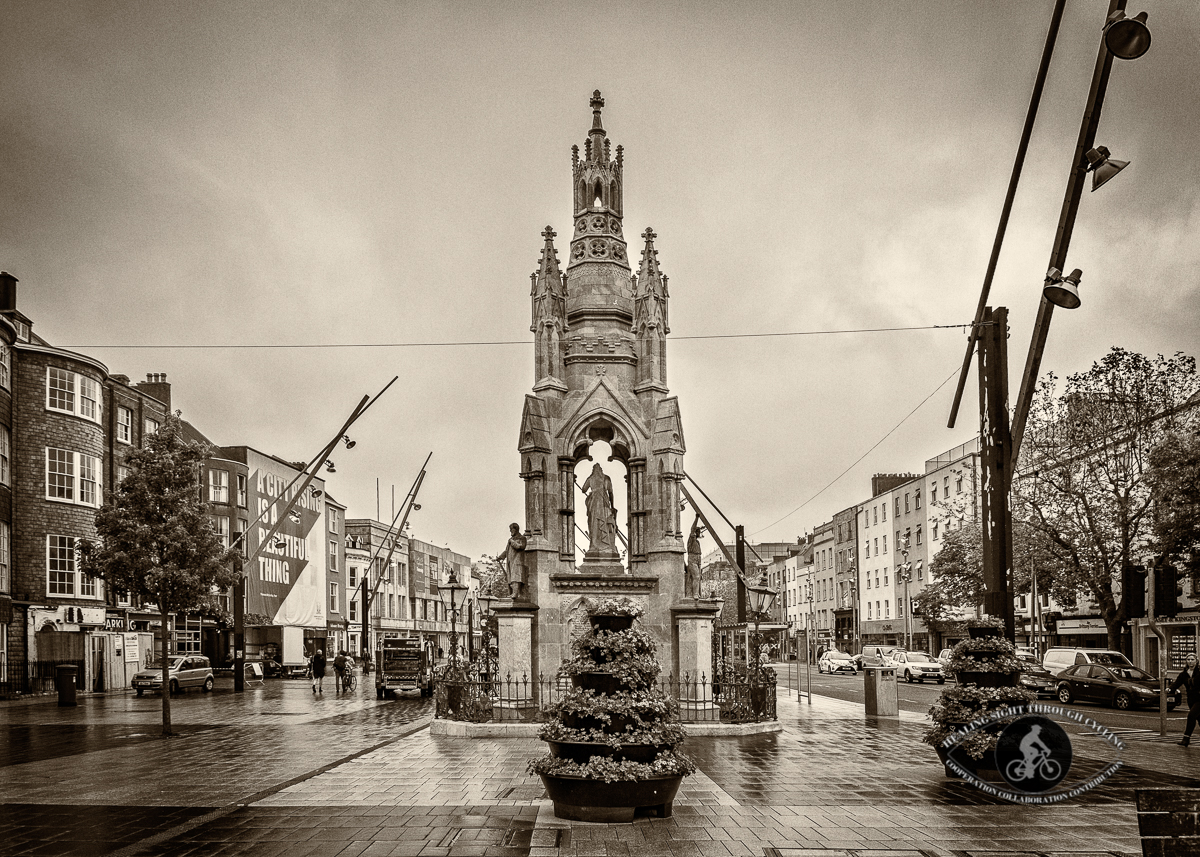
(592, 772)
(986, 673)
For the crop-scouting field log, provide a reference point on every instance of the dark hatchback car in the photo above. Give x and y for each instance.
(1036, 678)
(1121, 687)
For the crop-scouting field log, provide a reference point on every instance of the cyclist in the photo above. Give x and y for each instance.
(1034, 749)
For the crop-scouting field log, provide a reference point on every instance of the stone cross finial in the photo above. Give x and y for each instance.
(549, 233)
(649, 234)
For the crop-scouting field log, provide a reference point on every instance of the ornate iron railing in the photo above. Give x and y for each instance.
(471, 696)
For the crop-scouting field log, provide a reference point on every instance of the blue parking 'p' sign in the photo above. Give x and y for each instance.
(1033, 754)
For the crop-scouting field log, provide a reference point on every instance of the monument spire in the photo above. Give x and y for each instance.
(650, 319)
(549, 299)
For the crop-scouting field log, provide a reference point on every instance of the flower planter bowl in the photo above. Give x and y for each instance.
(985, 763)
(983, 632)
(601, 682)
(610, 622)
(987, 679)
(579, 799)
(581, 751)
(617, 722)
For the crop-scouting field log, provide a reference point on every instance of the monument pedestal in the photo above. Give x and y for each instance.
(694, 619)
(518, 685)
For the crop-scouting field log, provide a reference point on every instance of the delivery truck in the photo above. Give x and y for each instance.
(403, 669)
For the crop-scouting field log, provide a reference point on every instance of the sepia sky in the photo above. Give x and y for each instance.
(378, 174)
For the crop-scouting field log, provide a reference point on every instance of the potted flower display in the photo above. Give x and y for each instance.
(613, 738)
(986, 669)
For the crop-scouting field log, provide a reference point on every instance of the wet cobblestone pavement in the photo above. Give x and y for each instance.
(276, 771)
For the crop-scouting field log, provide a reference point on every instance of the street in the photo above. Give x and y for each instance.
(1141, 723)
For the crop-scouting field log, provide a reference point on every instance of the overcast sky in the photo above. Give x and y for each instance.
(344, 174)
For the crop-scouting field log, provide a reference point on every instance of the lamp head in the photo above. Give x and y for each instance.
(1126, 38)
(1062, 291)
(329, 466)
(1101, 166)
(349, 443)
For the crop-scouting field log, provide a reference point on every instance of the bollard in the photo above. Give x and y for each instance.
(880, 692)
(64, 680)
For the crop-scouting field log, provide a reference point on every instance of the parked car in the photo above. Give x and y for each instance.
(185, 671)
(918, 666)
(836, 662)
(1059, 658)
(1036, 678)
(1121, 687)
(943, 658)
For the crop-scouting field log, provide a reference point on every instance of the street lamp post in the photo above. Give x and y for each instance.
(760, 597)
(485, 615)
(453, 595)
(904, 572)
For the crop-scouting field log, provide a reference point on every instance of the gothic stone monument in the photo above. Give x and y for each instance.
(600, 375)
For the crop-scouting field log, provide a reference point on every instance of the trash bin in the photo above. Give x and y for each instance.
(64, 680)
(880, 689)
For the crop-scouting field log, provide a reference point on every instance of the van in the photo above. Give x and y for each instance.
(1059, 658)
(878, 656)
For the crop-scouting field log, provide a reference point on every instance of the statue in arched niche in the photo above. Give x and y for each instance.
(601, 513)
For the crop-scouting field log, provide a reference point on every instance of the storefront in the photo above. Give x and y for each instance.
(1181, 635)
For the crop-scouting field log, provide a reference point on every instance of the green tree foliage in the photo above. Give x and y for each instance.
(1084, 476)
(157, 542)
(1175, 483)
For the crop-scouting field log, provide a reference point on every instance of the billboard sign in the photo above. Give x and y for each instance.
(285, 579)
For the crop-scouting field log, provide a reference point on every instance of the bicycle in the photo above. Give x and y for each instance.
(349, 679)
(1045, 768)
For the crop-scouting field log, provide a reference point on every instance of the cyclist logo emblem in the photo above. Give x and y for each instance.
(1033, 754)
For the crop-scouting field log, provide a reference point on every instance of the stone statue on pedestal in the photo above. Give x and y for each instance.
(601, 514)
(512, 558)
(691, 574)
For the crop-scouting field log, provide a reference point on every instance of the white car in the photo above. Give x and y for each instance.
(186, 671)
(836, 662)
(918, 666)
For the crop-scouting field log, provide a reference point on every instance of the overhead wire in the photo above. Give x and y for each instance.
(864, 455)
(477, 343)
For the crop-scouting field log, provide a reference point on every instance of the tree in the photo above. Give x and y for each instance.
(157, 542)
(1084, 476)
(957, 569)
(1175, 484)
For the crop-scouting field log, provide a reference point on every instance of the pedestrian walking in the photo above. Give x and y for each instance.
(317, 666)
(1189, 680)
(339, 670)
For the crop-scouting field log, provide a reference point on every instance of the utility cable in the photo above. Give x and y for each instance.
(477, 343)
(864, 455)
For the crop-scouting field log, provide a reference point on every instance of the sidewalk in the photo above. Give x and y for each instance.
(355, 777)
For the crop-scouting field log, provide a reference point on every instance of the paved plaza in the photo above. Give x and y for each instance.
(277, 771)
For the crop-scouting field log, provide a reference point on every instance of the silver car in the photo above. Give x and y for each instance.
(185, 671)
(918, 666)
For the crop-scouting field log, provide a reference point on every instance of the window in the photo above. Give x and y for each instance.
(221, 527)
(5, 366)
(885, 577)
(353, 577)
(218, 486)
(868, 581)
(884, 506)
(869, 616)
(876, 511)
(933, 525)
(5, 578)
(885, 544)
(897, 505)
(70, 393)
(933, 493)
(151, 427)
(887, 609)
(5, 450)
(334, 517)
(333, 546)
(122, 472)
(241, 491)
(945, 486)
(353, 609)
(917, 499)
(900, 607)
(391, 606)
(124, 425)
(72, 477)
(920, 570)
(906, 509)
(333, 598)
(877, 544)
(62, 572)
(918, 535)
(958, 483)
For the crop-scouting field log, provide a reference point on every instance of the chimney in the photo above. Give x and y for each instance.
(8, 291)
(156, 386)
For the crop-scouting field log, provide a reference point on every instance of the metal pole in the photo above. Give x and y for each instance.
(239, 627)
(1163, 649)
(1062, 239)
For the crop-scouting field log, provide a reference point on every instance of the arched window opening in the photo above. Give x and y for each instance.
(598, 202)
(601, 453)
